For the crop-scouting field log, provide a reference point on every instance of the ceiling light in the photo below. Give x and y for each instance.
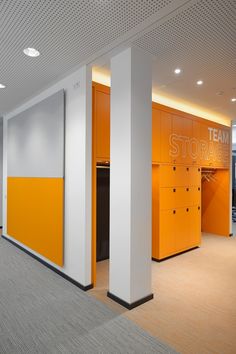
(177, 71)
(233, 99)
(31, 52)
(199, 82)
(2, 86)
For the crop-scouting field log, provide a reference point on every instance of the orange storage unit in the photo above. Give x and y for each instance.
(174, 206)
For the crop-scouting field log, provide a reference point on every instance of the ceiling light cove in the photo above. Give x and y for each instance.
(233, 99)
(31, 52)
(2, 86)
(199, 82)
(177, 71)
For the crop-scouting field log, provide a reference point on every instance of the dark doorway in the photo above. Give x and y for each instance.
(103, 206)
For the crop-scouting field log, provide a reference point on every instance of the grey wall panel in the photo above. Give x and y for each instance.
(36, 140)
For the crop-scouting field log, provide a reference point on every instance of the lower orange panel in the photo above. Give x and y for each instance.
(35, 214)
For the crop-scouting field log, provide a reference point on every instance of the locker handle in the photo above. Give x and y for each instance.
(199, 170)
(187, 189)
(174, 190)
(199, 188)
(187, 209)
(187, 169)
(174, 168)
(199, 208)
(174, 211)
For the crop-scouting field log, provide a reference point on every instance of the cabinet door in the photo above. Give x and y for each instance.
(182, 229)
(156, 135)
(167, 240)
(182, 128)
(195, 226)
(195, 143)
(168, 175)
(167, 198)
(102, 114)
(166, 130)
(194, 176)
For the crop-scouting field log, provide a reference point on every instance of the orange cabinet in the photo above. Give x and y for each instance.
(182, 130)
(102, 103)
(167, 231)
(176, 197)
(166, 131)
(156, 135)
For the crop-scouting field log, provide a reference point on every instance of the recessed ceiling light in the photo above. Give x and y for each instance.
(199, 82)
(233, 99)
(177, 71)
(2, 86)
(31, 52)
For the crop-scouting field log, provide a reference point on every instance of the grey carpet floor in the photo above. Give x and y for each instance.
(40, 312)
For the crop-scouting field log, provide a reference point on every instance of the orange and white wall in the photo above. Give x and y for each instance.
(77, 188)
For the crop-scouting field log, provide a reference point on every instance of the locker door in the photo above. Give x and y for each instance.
(156, 135)
(182, 229)
(166, 130)
(102, 125)
(195, 226)
(182, 127)
(195, 176)
(168, 176)
(167, 244)
(167, 198)
(182, 197)
(194, 143)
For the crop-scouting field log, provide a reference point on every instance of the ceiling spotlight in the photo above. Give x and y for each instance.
(177, 71)
(31, 52)
(199, 82)
(2, 86)
(233, 99)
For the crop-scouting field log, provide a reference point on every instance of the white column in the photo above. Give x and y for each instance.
(78, 181)
(130, 178)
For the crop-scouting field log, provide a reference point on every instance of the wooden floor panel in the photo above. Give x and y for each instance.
(194, 306)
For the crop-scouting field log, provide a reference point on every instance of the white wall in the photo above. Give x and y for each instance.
(77, 226)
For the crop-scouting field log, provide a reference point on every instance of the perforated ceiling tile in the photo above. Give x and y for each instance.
(65, 32)
(202, 41)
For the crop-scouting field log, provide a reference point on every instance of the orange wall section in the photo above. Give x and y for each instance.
(35, 214)
(215, 204)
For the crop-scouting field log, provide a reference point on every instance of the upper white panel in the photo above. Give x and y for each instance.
(35, 146)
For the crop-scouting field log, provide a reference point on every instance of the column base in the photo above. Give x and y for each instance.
(133, 304)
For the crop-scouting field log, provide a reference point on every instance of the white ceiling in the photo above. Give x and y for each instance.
(197, 35)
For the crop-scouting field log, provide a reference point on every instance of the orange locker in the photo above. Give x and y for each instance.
(102, 102)
(168, 198)
(195, 142)
(195, 226)
(167, 239)
(166, 130)
(168, 175)
(182, 229)
(182, 127)
(156, 135)
(194, 175)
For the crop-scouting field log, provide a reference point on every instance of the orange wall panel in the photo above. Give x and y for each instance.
(35, 214)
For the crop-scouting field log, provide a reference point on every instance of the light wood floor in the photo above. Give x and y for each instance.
(194, 306)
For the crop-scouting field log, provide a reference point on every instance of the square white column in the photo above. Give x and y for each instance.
(131, 178)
